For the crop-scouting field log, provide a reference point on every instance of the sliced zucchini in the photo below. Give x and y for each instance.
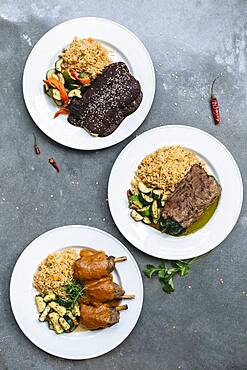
(146, 220)
(143, 188)
(59, 103)
(70, 315)
(145, 199)
(56, 94)
(72, 86)
(136, 216)
(50, 297)
(65, 325)
(60, 77)
(58, 64)
(155, 211)
(44, 314)
(76, 310)
(75, 92)
(46, 88)
(161, 203)
(156, 219)
(51, 73)
(71, 323)
(50, 326)
(54, 317)
(134, 201)
(56, 307)
(40, 304)
(84, 75)
(157, 194)
(68, 77)
(145, 211)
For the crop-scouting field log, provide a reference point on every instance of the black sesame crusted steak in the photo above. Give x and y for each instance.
(192, 197)
(113, 95)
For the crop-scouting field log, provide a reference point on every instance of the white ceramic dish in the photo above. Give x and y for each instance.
(77, 345)
(124, 46)
(220, 162)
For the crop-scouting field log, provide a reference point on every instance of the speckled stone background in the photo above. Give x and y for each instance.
(203, 324)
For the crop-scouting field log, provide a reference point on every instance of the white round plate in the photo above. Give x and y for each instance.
(123, 45)
(77, 345)
(220, 163)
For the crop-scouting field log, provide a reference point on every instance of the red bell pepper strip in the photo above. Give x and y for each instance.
(56, 84)
(83, 81)
(63, 110)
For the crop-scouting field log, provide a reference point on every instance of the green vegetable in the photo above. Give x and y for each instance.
(74, 291)
(165, 274)
(75, 92)
(169, 226)
(136, 216)
(58, 64)
(134, 202)
(146, 220)
(145, 211)
(157, 194)
(143, 188)
(145, 199)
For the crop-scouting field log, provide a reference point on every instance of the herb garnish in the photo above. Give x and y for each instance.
(166, 274)
(74, 291)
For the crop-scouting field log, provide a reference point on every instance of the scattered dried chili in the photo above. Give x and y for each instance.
(214, 104)
(36, 147)
(54, 164)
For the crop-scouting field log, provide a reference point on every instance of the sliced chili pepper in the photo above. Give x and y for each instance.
(53, 82)
(36, 147)
(215, 104)
(54, 164)
(63, 110)
(83, 81)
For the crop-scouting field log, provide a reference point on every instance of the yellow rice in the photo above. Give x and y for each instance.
(55, 272)
(86, 56)
(165, 168)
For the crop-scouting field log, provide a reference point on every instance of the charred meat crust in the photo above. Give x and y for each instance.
(113, 95)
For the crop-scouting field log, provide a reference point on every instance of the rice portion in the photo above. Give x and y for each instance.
(55, 272)
(86, 55)
(165, 168)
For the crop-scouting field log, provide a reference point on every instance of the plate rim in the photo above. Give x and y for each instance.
(11, 290)
(146, 133)
(114, 142)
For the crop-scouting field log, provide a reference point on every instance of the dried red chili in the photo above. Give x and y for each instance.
(54, 164)
(36, 147)
(214, 104)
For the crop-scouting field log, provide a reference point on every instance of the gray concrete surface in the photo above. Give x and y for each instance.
(190, 42)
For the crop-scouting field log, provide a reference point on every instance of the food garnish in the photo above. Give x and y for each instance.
(165, 274)
(74, 291)
(54, 164)
(63, 110)
(36, 146)
(214, 104)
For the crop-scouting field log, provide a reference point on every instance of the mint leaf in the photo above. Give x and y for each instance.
(150, 270)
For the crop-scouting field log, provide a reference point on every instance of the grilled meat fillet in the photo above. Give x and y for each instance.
(192, 197)
(112, 96)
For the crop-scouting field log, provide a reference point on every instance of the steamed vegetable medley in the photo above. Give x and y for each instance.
(61, 315)
(62, 84)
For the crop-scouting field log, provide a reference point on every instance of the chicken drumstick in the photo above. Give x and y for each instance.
(100, 316)
(93, 265)
(103, 290)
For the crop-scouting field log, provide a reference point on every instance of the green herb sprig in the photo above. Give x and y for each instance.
(74, 291)
(165, 274)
